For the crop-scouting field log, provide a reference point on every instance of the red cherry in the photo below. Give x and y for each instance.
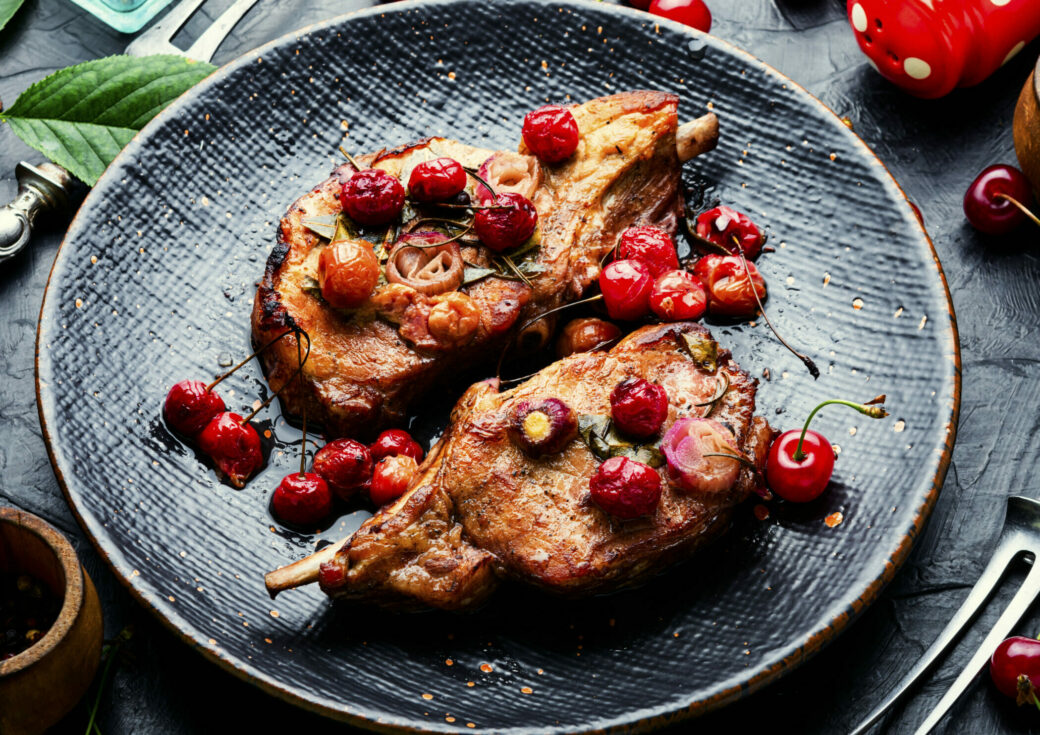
(638, 407)
(722, 224)
(626, 286)
(625, 488)
(393, 442)
(189, 407)
(651, 245)
(372, 197)
(391, 478)
(303, 499)
(1015, 657)
(233, 446)
(726, 282)
(693, 13)
(678, 295)
(799, 480)
(346, 465)
(436, 180)
(551, 133)
(990, 213)
(505, 229)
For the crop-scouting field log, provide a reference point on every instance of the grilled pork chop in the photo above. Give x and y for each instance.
(482, 510)
(366, 368)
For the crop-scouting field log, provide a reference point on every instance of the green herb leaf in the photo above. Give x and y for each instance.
(7, 10)
(310, 285)
(81, 116)
(703, 349)
(323, 226)
(473, 274)
(598, 433)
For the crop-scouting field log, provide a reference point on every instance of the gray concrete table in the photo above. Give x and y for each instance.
(933, 149)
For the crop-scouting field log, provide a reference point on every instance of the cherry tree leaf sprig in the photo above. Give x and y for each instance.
(81, 116)
(7, 10)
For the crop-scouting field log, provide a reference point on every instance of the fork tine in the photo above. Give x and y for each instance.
(158, 37)
(981, 592)
(1019, 604)
(206, 45)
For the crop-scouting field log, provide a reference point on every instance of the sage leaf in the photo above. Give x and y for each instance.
(598, 433)
(323, 226)
(81, 116)
(7, 10)
(473, 274)
(311, 286)
(703, 349)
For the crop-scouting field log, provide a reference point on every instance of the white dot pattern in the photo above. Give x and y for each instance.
(917, 68)
(859, 18)
(1000, 3)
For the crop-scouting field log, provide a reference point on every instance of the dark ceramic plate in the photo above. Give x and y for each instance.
(154, 284)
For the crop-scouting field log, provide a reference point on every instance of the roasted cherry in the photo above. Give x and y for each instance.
(650, 245)
(542, 427)
(437, 181)
(986, 204)
(509, 222)
(372, 197)
(1015, 668)
(800, 463)
(348, 271)
(393, 442)
(723, 225)
(391, 478)
(189, 407)
(726, 281)
(346, 465)
(693, 13)
(625, 488)
(638, 407)
(551, 133)
(585, 334)
(678, 295)
(303, 499)
(233, 446)
(626, 286)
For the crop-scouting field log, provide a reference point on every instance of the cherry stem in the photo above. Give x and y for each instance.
(350, 158)
(486, 185)
(460, 206)
(233, 370)
(464, 225)
(719, 393)
(525, 325)
(874, 409)
(742, 460)
(813, 370)
(1025, 210)
(299, 332)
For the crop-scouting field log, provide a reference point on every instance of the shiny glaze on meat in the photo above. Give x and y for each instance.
(365, 371)
(482, 510)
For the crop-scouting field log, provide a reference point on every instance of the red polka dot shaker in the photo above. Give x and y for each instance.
(929, 47)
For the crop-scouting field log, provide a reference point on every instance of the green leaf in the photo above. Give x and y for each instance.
(602, 439)
(323, 226)
(82, 116)
(7, 10)
(703, 349)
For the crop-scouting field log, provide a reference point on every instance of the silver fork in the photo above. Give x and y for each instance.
(156, 40)
(1019, 537)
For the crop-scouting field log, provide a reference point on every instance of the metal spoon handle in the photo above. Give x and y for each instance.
(40, 189)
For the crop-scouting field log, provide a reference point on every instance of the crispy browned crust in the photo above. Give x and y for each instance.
(483, 510)
(362, 374)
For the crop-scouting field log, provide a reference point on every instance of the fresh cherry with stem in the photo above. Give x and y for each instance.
(1015, 669)
(800, 463)
(997, 200)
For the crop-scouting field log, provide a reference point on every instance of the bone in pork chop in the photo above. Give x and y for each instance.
(367, 367)
(482, 510)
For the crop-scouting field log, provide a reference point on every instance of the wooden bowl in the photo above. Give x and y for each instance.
(42, 683)
(1027, 129)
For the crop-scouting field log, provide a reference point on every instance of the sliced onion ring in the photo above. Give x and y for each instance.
(423, 261)
(685, 445)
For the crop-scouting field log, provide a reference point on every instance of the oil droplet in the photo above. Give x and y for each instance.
(527, 690)
(486, 668)
(471, 683)
(834, 519)
(899, 426)
(224, 359)
(826, 278)
(427, 696)
(852, 431)
(857, 303)
(449, 718)
(93, 259)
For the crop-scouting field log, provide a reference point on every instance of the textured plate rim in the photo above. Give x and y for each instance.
(641, 721)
